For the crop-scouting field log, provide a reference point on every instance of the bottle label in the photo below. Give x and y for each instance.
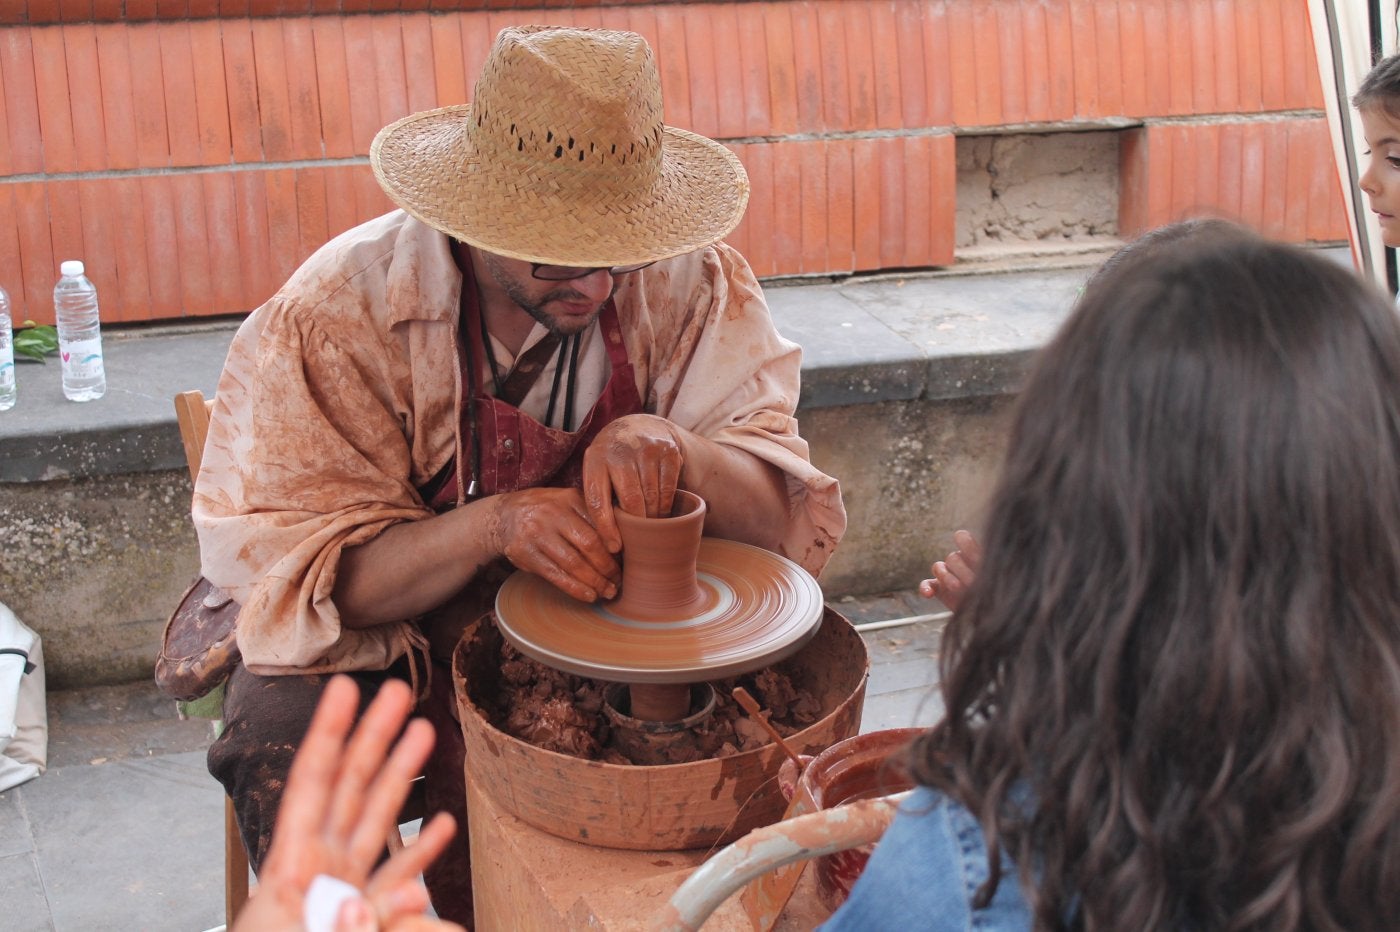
(82, 359)
(7, 368)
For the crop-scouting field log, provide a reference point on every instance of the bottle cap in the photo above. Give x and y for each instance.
(72, 267)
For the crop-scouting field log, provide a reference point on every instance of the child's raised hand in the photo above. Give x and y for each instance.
(343, 794)
(953, 575)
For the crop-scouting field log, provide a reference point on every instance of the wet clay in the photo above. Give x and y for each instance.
(564, 713)
(861, 767)
(699, 804)
(658, 563)
(659, 585)
(689, 609)
(763, 607)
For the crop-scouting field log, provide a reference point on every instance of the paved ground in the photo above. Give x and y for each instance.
(124, 831)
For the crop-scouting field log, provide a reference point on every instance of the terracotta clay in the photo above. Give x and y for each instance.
(862, 767)
(594, 720)
(765, 607)
(653, 808)
(658, 563)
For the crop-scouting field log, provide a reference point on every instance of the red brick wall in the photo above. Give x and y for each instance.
(81, 11)
(193, 152)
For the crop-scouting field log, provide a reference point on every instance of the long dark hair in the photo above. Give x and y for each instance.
(1173, 692)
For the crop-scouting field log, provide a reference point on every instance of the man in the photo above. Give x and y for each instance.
(464, 386)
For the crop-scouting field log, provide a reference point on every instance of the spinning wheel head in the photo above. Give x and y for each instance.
(728, 609)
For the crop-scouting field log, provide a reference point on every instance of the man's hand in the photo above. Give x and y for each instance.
(953, 576)
(638, 459)
(547, 531)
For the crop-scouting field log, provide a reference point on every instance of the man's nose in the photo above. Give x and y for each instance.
(596, 285)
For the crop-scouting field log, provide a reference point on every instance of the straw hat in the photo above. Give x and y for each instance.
(562, 157)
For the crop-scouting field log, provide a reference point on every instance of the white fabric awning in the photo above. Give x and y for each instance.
(1344, 32)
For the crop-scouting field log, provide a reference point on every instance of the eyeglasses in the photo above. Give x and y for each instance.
(564, 273)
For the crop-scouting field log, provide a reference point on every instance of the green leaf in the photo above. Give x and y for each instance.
(36, 342)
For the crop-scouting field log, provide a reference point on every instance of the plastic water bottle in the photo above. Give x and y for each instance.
(7, 355)
(79, 334)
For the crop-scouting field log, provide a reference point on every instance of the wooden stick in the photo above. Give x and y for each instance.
(741, 696)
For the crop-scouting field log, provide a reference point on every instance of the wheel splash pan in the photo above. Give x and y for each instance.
(668, 807)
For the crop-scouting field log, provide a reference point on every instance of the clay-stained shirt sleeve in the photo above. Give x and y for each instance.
(714, 363)
(308, 452)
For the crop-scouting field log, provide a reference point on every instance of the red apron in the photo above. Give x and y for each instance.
(517, 451)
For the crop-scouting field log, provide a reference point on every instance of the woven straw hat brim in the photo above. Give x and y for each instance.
(549, 212)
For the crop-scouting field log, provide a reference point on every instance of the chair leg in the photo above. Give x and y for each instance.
(235, 866)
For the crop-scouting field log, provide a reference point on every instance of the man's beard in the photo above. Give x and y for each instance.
(562, 327)
(536, 308)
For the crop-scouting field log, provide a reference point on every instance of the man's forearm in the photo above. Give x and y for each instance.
(747, 497)
(412, 567)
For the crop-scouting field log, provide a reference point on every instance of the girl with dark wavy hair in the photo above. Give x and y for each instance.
(1173, 689)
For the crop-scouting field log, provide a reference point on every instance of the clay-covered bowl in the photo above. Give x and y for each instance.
(666, 807)
(862, 767)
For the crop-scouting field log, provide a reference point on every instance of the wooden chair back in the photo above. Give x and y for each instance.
(192, 413)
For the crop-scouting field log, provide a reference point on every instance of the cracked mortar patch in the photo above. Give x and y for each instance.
(1036, 187)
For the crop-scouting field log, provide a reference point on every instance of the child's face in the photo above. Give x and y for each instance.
(1381, 179)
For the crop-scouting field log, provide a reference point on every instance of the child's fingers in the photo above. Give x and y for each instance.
(953, 574)
(970, 548)
(946, 585)
(959, 569)
(365, 754)
(396, 904)
(405, 865)
(390, 787)
(356, 915)
(424, 924)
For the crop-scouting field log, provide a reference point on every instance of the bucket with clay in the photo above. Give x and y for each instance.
(863, 767)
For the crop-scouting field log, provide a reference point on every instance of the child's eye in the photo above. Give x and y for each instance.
(1392, 160)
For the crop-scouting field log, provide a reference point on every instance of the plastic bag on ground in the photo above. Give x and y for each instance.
(24, 721)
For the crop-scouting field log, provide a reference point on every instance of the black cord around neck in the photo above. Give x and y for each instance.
(572, 384)
(554, 387)
(473, 486)
(571, 348)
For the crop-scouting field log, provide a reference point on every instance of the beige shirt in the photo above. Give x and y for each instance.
(340, 396)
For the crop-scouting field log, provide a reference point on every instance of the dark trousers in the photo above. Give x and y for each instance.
(265, 720)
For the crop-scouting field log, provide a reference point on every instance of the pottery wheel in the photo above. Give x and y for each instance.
(756, 609)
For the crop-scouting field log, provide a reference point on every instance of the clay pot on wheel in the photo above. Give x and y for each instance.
(658, 561)
(864, 767)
